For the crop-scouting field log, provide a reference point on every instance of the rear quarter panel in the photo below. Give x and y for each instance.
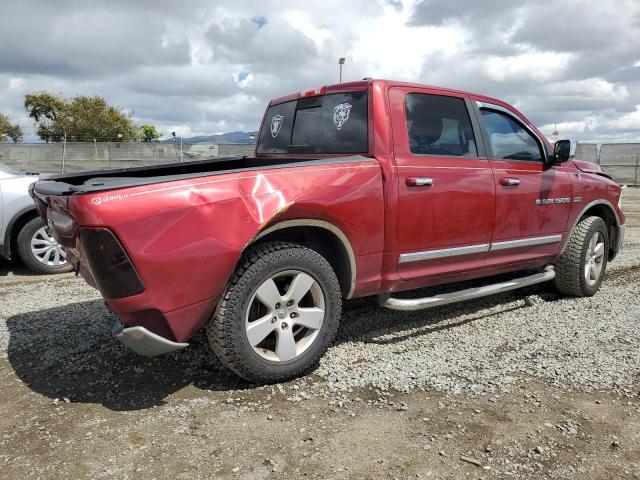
(186, 237)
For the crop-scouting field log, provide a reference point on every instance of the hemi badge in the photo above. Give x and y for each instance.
(577, 200)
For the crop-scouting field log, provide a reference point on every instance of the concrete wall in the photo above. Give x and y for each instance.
(620, 160)
(587, 151)
(48, 157)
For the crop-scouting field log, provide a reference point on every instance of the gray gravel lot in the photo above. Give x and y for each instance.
(528, 383)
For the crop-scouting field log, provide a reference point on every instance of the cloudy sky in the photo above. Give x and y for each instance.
(203, 67)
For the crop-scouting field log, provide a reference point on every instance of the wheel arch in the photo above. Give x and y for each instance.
(322, 237)
(14, 226)
(606, 211)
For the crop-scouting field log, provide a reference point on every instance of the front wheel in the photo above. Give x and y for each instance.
(39, 251)
(581, 267)
(278, 315)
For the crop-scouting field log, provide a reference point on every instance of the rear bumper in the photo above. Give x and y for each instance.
(143, 341)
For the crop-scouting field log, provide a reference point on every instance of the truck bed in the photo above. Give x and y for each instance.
(100, 180)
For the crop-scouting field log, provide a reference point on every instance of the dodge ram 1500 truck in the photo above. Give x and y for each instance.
(363, 188)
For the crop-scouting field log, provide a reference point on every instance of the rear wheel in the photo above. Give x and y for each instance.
(39, 251)
(581, 267)
(279, 314)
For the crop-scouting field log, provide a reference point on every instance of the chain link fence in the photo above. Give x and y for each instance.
(76, 157)
(620, 160)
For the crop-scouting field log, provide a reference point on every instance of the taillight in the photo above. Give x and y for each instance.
(110, 265)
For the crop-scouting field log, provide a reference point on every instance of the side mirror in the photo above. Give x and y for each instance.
(561, 151)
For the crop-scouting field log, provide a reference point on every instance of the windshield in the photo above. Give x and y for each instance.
(6, 169)
(335, 123)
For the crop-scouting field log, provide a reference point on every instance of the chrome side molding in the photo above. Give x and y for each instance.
(526, 242)
(445, 252)
(466, 294)
(483, 247)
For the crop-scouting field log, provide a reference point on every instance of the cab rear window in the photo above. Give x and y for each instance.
(334, 123)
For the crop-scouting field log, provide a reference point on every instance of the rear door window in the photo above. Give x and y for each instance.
(439, 125)
(276, 131)
(327, 124)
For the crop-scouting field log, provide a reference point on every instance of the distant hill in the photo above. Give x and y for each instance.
(229, 137)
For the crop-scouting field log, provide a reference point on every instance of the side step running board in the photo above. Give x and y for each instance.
(467, 294)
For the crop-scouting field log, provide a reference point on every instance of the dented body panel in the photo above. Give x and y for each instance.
(185, 237)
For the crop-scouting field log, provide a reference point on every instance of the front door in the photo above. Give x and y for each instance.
(533, 199)
(446, 204)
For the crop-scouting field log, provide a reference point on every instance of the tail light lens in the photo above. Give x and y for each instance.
(110, 265)
(314, 92)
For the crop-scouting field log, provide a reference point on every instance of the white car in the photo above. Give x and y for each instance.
(22, 231)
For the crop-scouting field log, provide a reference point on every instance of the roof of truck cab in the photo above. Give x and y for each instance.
(364, 85)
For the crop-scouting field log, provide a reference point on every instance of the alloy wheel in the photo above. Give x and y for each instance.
(594, 259)
(47, 250)
(285, 315)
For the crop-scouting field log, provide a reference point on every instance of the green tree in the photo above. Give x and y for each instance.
(148, 133)
(82, 119)
(9, 130)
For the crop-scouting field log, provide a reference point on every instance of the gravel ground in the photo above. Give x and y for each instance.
(526, 384)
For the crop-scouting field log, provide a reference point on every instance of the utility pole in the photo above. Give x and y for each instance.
(180, 147)
(64, 151)
(340, 64)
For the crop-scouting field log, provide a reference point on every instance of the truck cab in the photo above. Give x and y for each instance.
(472, 187)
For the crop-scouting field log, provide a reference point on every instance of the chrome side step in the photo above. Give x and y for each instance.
(467, 294)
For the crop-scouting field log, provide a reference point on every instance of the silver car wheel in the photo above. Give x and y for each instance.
(47, 250)
(285, 315)
(594, 259)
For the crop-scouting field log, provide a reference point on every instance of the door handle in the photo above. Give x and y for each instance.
(419, 181)
(510, 182)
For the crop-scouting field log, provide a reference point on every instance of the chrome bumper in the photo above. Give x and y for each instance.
(144, 342)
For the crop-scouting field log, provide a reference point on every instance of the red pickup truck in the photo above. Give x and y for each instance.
(364, 188)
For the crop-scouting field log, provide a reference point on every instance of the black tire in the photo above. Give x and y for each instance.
(23, 245)
(571, 277)
(226, 330)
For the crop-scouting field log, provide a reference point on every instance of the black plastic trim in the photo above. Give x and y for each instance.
(88, 182)
(477, 130)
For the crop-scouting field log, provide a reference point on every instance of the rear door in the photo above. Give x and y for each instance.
(533, 199)
(446, 204)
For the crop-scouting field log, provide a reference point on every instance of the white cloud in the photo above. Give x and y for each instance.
(535, 66)
(387, 48)
(630, 121)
